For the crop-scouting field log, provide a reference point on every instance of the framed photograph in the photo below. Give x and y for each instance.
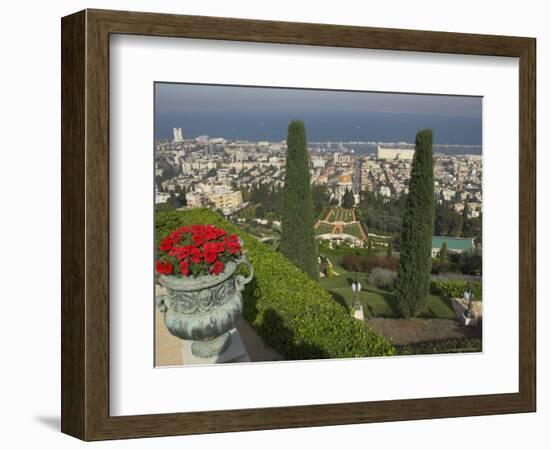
(273, 225)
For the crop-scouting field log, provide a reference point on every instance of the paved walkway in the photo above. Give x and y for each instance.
(338, 228)
(168, 347)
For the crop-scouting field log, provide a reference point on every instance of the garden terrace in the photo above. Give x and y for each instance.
(291, 313)
(338, 221)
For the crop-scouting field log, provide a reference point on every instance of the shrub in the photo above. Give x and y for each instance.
(357, 263)
(291, 312)
(466, 345)
(471, 263)
(353, 263)
(382, 278)
(456, 288)
(442, 267)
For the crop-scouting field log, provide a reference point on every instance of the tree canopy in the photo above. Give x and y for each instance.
(298, 219)
(413, 274)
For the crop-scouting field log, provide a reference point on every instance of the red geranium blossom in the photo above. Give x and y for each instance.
(164, 268)
(197, 250)
(167, 244)
(184, 268)
(198, 239)
(216, 268)
(210, 252)
(196, 255)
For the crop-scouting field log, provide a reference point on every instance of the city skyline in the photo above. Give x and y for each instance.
(260, 113)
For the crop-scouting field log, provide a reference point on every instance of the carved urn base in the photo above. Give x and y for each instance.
(211, 347)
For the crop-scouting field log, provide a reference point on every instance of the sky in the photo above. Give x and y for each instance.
(261, 113)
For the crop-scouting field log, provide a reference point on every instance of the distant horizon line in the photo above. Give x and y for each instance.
(329, 141)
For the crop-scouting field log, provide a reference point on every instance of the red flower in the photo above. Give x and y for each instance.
(176, 235)
(198, 239)
(198, 249)
(198, 229)
(210, 233)
(210, 252)
(216, 268)
(180, 252)
(166, 245)
(184, 268)
(196, 255)
(233, 245)
(164, 268)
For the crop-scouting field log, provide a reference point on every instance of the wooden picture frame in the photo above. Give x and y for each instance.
(85, 224)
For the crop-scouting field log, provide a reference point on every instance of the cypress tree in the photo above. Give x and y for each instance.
(443, 252)
(466, 228)
(389, 249)
(348, 200)
(298, 219)
(413, 275)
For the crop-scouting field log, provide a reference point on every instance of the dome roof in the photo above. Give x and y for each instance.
(344, 179)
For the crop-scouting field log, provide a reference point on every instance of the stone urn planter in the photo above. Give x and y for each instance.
(204, 309)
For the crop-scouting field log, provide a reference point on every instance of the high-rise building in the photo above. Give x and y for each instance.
(178, 135)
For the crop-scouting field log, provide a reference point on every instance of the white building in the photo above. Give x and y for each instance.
(318, 162)
(161, 197)
(385, 191)
(341, 158)
(178, 135)
(395, 153)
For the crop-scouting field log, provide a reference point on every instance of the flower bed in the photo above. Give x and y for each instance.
(196, 250)
(292, 313)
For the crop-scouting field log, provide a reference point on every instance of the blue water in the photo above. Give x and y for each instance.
(321, 126)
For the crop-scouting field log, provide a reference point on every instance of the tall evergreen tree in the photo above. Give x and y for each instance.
(348, 199)
(389, 249)
(320, 197)
(413, 275)
(443, 252)
(466, 224)
(297, 232)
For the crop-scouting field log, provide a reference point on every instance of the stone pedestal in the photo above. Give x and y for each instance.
(460, 307)
(358, 312)
(236, 352)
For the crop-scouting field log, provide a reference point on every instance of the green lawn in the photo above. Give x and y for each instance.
(335, 254)
(338, 214)
(377, 302)
(347, 215)
(323, 228)
(248, 213)
(353, 230)
(333, 215)
(324, 213)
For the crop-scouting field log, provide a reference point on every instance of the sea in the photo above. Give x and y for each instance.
(452, 134)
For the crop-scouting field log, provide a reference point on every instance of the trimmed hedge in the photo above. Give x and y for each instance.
(456, 288)
(292, 313)
(466, 345)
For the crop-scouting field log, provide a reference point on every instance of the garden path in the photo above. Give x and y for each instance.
(168, 347)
